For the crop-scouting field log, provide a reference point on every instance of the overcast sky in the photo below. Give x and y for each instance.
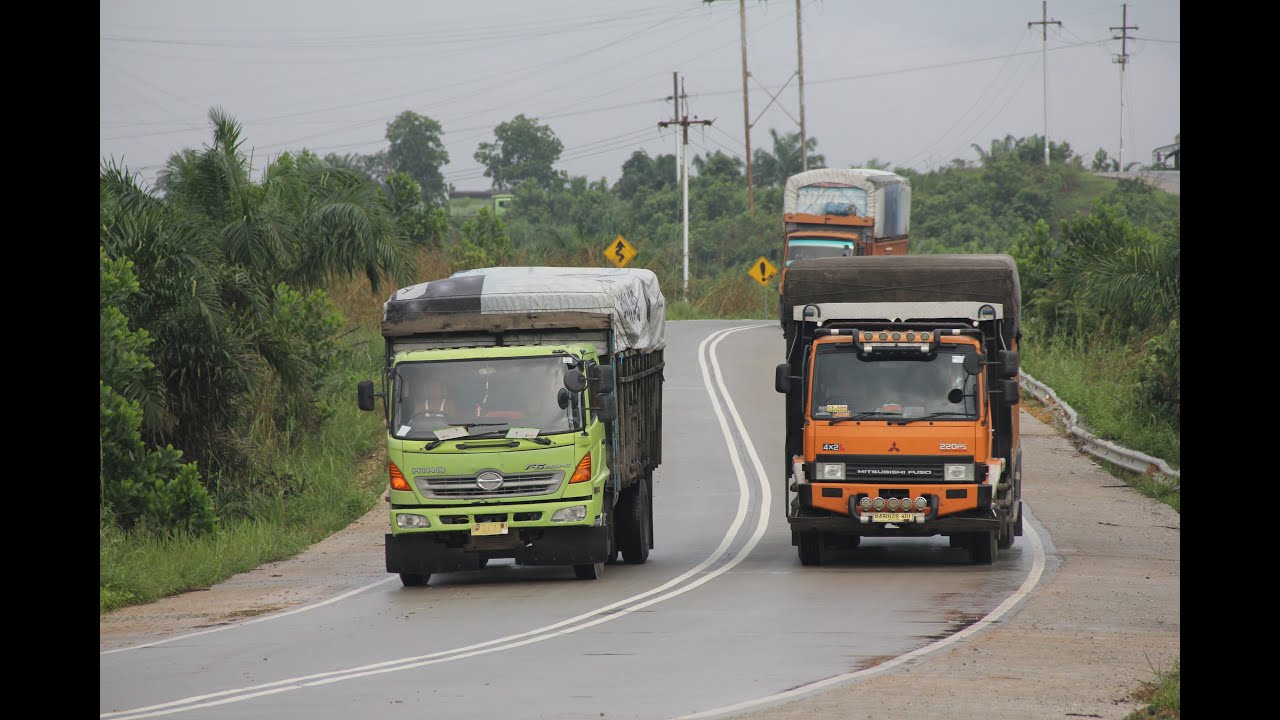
(910, 82)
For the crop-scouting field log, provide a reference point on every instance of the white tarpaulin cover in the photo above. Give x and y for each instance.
(884, 196)
(630, 297)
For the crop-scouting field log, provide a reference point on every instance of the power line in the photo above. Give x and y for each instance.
(977, 100)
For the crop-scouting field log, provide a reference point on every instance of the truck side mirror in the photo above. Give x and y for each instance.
(364, 395)
(973, 364)
(563, 398)
(1008, 363)
(1009, 392)
(608, 410)
(782, 378)
(601, 376)
(574, 380)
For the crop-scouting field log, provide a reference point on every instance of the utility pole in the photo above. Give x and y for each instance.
(804, 150)
(675, 113)
(1044, 22)
(746, 114)
(1123, 59)
(684, 122)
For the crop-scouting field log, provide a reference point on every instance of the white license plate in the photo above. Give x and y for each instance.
(892, 517)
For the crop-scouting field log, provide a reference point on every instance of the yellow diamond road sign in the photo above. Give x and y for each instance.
(762, 270)
(619, 252)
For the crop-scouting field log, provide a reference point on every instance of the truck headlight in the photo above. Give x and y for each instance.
(959, 472)
(830, 471)
(409, 520)
(576, 513)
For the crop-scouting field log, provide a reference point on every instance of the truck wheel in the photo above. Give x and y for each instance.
(1017, 524)
(982, 548)
(810, 549)
(414, 579)
(590, 571)
(633, 523)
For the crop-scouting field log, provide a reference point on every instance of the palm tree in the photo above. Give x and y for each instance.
(210, 256)
(774, 169)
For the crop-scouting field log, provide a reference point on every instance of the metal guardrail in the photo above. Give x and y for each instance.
(1124, 457)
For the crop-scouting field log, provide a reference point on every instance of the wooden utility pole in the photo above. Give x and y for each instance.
(804, 149)
(746, 113)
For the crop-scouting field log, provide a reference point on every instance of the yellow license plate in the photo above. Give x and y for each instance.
(489, 528)
(891, 517)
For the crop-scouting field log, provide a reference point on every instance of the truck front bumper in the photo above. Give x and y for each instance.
(455, 550)
(952, 510)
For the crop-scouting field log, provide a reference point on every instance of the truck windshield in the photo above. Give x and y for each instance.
(487, 396)
(846, 385)
(809, 248)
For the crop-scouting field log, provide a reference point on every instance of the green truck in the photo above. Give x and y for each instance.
(524, 418)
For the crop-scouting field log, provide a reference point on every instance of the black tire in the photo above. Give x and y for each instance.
(414, 579)
(632, 516)
(810, 549)
(1017, 524)
(982, 548)
(590, 571)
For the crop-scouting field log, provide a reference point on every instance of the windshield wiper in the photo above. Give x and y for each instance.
(864, 416)
(436, 443)
(904, 421)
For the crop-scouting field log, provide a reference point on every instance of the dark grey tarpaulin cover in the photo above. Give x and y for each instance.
(629, 298)
(906, 278)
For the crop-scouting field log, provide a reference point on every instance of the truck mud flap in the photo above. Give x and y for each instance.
(422, 553)
(567, 546)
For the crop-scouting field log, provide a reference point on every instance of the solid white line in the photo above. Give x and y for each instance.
(1027, 586)
(264, 618)
(543, 633)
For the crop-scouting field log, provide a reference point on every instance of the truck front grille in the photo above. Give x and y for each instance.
(517, 484)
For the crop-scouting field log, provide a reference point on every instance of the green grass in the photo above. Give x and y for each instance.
(1100, 383)
(341, 484)
(1162, 695)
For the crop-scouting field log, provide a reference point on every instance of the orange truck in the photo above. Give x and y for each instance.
(901, 386)
(834, 212)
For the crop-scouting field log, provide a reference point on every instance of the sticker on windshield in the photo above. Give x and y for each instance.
(957, 359)
(404, 430)
(519, 432)
(836, 409)
(450, 433)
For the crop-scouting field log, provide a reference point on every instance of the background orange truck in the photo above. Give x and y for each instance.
(833, 212)
(901, 379)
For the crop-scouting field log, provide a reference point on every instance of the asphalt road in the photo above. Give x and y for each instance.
(722, 613)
